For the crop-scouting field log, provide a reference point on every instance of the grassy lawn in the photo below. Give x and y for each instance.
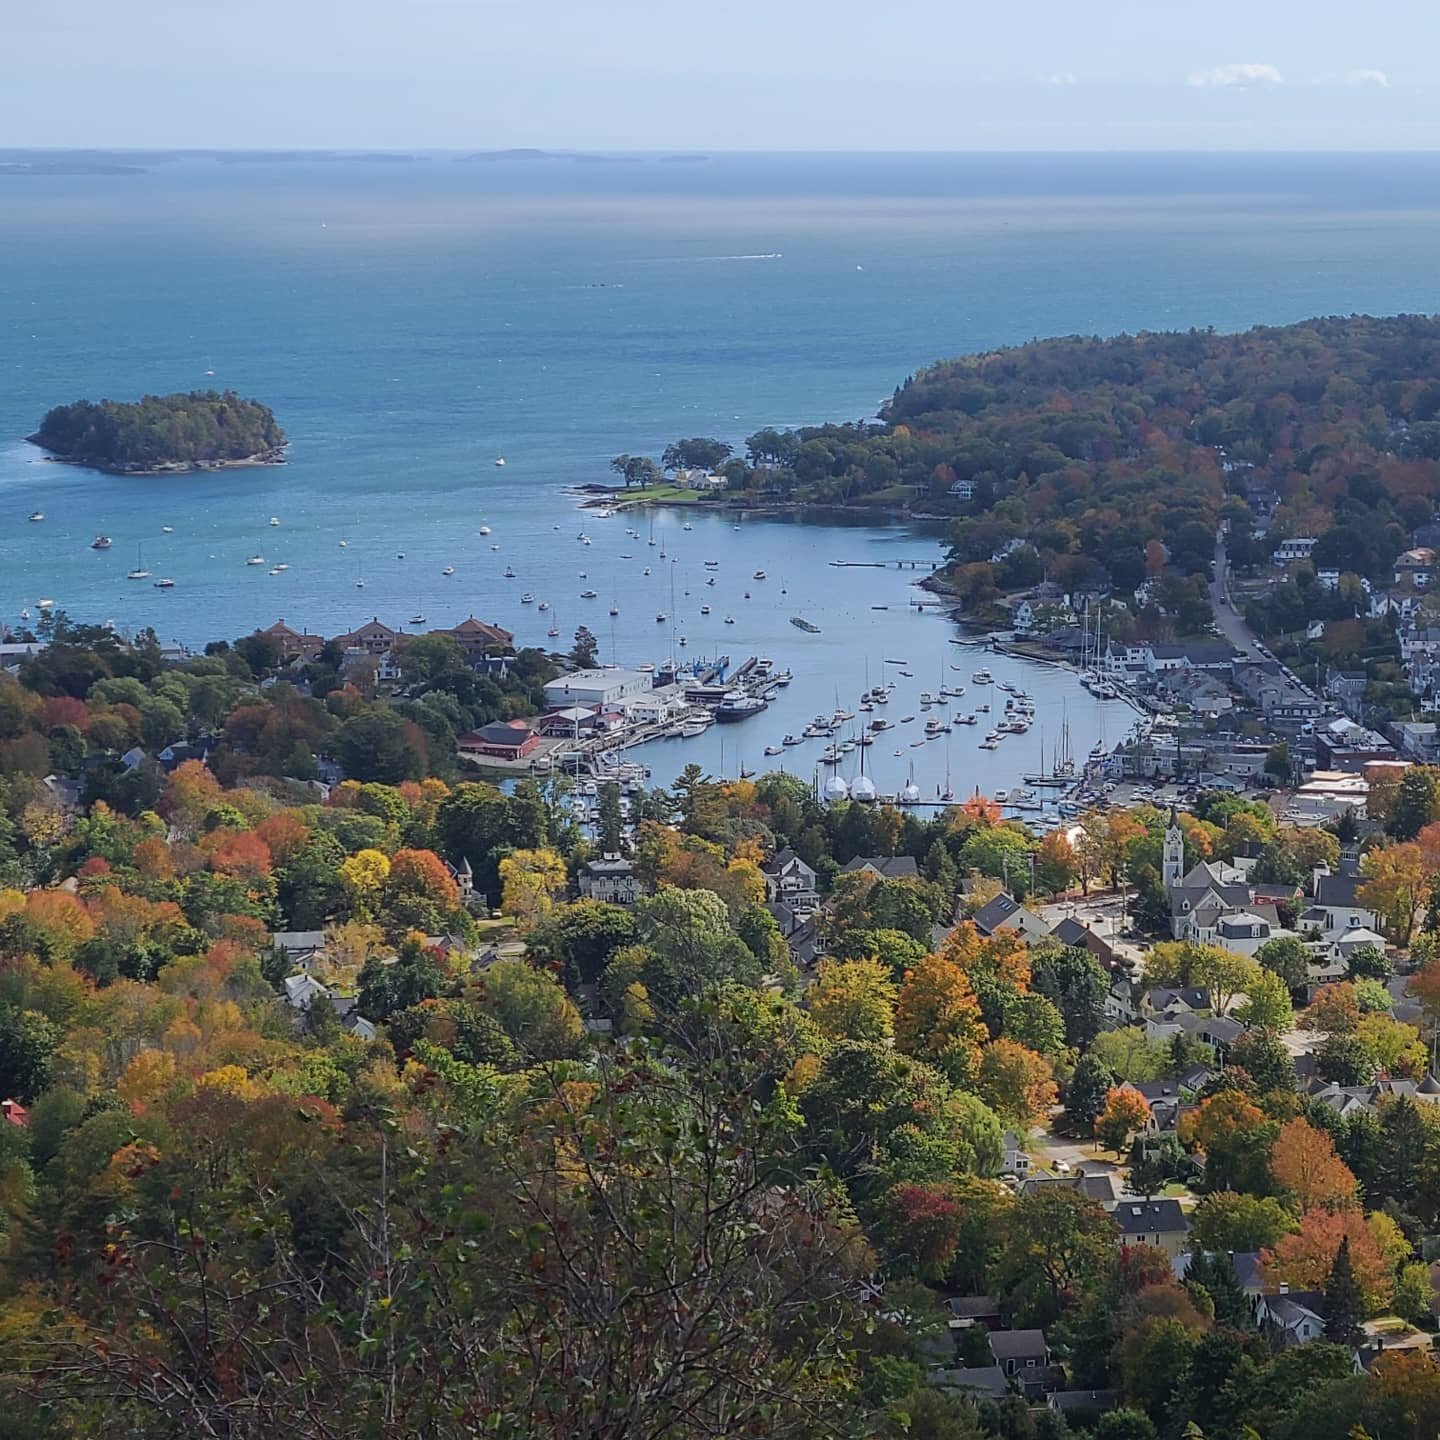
(662, 494)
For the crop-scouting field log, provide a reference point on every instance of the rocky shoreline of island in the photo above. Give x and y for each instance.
(274, 456)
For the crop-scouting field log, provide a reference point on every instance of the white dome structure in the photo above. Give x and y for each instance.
(862, 788)
(910, 795)
(836, 789)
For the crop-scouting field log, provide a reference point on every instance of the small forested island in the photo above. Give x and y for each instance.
(205, 429)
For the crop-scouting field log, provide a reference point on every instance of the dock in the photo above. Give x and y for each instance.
(698, 695)
(885, 564)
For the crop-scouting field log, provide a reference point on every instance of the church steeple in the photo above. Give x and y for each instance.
(1172, 865)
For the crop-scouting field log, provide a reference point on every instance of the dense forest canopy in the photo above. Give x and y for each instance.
(205, 427)
(301, 1138)
(1099, 452)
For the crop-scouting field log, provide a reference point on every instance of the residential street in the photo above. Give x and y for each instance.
(1228, 620)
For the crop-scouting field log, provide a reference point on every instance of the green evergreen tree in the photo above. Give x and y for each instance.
(940, 868)
(1086, 1092)
(1215, 1275)
(1344, 1305)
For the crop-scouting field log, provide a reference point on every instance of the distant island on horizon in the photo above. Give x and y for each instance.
(163, 434)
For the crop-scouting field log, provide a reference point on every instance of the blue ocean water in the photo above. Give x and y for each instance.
(411, 321)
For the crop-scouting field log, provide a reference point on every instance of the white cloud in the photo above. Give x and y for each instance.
(1063, 77)
(1360, 79)
(1239, 76)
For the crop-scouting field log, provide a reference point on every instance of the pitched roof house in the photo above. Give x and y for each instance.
(1160, 1223)
(886, 867)
(1006, 913)
(503, 740)
(1016, 1350)
(790, 881)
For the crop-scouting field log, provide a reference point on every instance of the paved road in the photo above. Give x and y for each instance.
(1228, 621)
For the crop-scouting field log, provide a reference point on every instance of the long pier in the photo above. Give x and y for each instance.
(885, 564)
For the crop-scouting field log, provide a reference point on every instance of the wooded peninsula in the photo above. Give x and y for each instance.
(201, 430)
(1080, 458)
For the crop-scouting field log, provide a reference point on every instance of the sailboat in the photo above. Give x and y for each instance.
(139, 572)
(651, 540)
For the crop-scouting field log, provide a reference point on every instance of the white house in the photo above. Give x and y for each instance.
(611, 878)
(1299, 547)
(1336, 908)
(790, 881)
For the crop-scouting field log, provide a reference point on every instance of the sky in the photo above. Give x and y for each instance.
(727, 75)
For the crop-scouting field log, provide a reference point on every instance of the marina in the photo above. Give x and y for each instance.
(859, 647)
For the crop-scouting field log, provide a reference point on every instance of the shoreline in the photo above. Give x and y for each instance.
(189, 467)
(598, 497)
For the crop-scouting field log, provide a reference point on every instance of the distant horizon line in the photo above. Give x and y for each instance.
(687, 152)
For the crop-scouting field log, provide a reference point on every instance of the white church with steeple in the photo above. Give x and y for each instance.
(1172, 865)
(1214, 903)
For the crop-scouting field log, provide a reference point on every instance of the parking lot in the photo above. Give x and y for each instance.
(1106, 915)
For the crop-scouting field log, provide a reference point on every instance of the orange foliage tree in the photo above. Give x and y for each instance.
(1304, 1163)
(1335, 1010)
(190, 794)
(60, 920)
(1003, 956)
(422, 873)
(1126, 1112)
(937, 1016)
(241, 853)
(284, 833)
(1303, 1260)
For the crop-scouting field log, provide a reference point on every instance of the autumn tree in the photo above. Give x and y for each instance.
(421, 875)
(1335, 1010)
(1016, 1083)
(531, 882)
(1305, 1165)
(1394, 885)
(853, 1000)
(363, 876)
(937, 1017)
(1304, 1260)
(1126, 1112)
(1055, 863)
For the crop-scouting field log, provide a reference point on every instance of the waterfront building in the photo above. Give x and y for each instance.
(504, 740)
(601, 688)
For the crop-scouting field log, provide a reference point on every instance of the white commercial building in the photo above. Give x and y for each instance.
(604, 687)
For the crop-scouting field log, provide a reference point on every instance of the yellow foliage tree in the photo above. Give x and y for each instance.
(231, 1080)
(853, 1000)
(145, 1077)
(364, 875)
(530, 883)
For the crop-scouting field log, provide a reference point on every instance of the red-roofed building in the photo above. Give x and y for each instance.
(504, 740)
(14, 1113)
(476, 638)
(374, 638)
(293, 644)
